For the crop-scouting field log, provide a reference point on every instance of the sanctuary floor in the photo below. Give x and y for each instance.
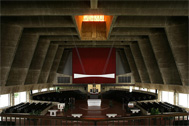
(81, 107)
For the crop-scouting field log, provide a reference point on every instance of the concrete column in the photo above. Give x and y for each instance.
(124, 61)
(143, 73)
(159, 95)
(11, 99)
(165, 58)
(63, 60)
(47, 64)
(132, 64)
(37, 61)
(10, 36)
(22, 59)
(175, 98)
(55, 65)
(178, 40)
(150, 61)
(27, 96)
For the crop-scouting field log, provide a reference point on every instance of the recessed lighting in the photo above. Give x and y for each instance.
(93, 18)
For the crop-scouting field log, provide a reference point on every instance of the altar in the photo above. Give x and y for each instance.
(94, 102)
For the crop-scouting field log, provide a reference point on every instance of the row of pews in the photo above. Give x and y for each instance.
(27, 107)
(126, 96)
(163, 107)
(62, 97)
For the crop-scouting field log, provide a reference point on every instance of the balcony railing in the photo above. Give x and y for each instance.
(177, 119)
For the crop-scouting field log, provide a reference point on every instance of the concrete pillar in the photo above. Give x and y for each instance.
(178, 40)
(143, 73)
(47, 64)
(132, 64)
(37, 61)
(11, 99)
(159, 95)
(22, 59)
(165, 58)
(63, 60)
(10, 36)
(27, 96)
(150, 61)
(175, 98)
(124, 61)
(55, 65)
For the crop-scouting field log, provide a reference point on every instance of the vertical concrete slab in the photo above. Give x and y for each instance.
(178, 40)
(37, 61)
(63, 60)
(22, 59)
(10, 36)
(55, 65)
(143, 73)
(124, 61)
(150, 61)
(47, 63)
(132, 64)
(165, 58)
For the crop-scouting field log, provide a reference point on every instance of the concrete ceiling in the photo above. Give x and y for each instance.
(151, 36)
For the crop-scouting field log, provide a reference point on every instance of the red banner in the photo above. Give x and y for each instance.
(94, 65)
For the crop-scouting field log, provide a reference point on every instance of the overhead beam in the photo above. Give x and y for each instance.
(37, 61)
(39, 21)
(54, 67)
(124, 60)
(84, 11)
(139, 61)
(94, 4)
(44, 73)
(92, 43)
(132, 64)
(10, 37)
(92, 46)
(150, 61)
(178, 39)
(165, 59)
(148, 21)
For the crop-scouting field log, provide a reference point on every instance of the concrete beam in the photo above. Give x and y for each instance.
(92, 46)
(76, 27)
(22, 59)
(112, 21)
(37, 21)
(132, 64)
(24, 45)
(37, 61)
(56, 63)
(124, 60)
(150, 61)
(92, 43)
(139, 61)
(165, 59)
(44, 73)
(60, 38)
(94, 4)
(51, 31)
(63, 60)
(178, 40)
(126, 31)
(10, 36)
(58, 10)
(147, 21)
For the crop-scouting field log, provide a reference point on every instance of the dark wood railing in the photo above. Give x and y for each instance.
(177, 119)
